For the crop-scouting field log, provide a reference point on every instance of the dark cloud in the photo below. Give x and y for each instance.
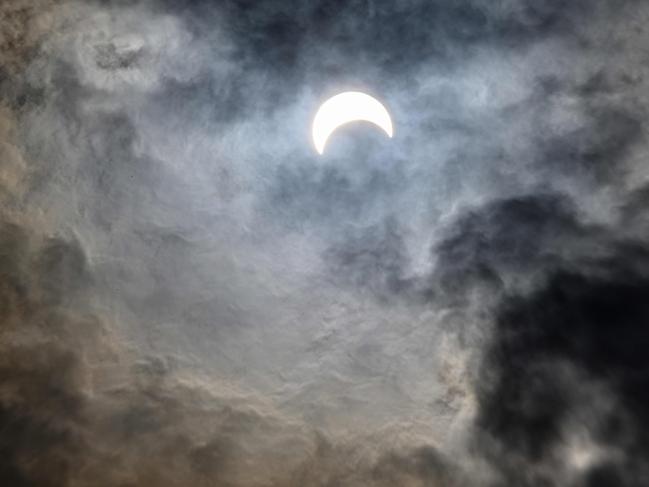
(357, 28)
(561, 398)
(507, 237)
(599, 147)
(576, 330)
(189, 295)
(561, 388)
(23, 28)
(42, 371)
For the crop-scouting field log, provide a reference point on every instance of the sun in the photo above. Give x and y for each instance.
(350, 106)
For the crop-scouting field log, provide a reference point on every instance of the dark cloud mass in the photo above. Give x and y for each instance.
(191, 296)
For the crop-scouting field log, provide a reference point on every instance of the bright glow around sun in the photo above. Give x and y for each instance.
(350, 106)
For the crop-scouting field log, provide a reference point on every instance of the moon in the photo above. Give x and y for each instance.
(350, 106)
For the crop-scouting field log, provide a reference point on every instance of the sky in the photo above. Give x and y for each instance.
(190, 295)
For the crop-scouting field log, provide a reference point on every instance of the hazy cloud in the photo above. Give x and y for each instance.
(190, 295)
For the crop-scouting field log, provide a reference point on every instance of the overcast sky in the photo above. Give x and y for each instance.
(191, 296)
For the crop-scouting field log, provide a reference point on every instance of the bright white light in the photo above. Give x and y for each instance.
(350, 106)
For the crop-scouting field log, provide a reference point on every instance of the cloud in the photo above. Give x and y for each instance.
(24, 25)
(560, 360)
(129, 48)
(191, 296)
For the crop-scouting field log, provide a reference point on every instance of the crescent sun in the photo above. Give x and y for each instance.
(350, 106)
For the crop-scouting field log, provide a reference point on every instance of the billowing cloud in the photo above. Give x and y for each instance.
(190, 295)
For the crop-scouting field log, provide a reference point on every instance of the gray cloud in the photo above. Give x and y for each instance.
(191, 296)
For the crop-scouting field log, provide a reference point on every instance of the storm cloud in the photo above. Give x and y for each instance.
(191, 295)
